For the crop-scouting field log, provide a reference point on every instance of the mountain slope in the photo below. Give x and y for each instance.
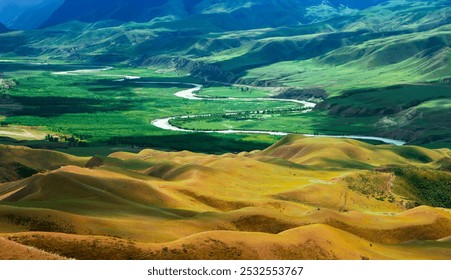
(3, 28)
(28, 162)
(228, 14)
(135, 10)
(15, 251)
(336, 52)
(382, 39)
(34, 16)
(26, 14)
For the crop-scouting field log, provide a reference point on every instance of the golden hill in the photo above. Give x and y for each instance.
(330, 153)
(302, 198)
(21, 162)
(14, 251)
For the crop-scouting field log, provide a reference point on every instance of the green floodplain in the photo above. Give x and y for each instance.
(98, 111)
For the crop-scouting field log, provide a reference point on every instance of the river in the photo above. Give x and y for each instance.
(164, 123)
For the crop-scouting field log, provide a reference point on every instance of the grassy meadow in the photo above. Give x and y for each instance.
(99, 110)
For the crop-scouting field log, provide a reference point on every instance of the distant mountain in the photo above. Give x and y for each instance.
(26, 14)
(3, 28)
(228, 14)
(122, 10)
(281, 42)
(35, 16)
(9, 9)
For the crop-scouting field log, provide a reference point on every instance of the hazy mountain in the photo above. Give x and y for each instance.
(245, 13)
(122, 10)
(10, 10)
(34, 16)
(3, 28)
(26, 14)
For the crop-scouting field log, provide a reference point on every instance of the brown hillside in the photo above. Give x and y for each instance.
(302, 198)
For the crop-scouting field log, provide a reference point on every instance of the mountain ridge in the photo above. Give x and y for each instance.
(220, 46)
(143, 11)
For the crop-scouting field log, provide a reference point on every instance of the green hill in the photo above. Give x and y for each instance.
(358, 49)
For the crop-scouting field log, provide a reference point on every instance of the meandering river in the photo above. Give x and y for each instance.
(164, 123)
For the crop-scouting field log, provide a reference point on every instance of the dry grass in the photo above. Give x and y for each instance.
(10, 250)
(300, 199)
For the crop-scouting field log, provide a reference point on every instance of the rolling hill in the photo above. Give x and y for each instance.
(28, 162)
(302, 198)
